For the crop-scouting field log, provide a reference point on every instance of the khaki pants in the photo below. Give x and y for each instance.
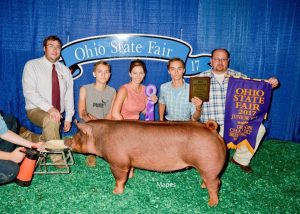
(49, 126)
(243, 155)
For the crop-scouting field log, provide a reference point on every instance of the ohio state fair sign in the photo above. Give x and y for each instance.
(131, 46)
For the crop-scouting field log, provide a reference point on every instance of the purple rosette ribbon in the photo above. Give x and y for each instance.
(150, 90)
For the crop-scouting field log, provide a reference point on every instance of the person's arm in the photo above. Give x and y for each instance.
(161, 110)
(69, 102)
(82, 105)
(118, 103)
(197, 103)
(16, 139)
(16, 156)
(197, 114)
(67, 126)
(69, 98)
(162, 103)
(109, 115)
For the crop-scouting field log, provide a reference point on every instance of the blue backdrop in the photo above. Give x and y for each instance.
(262, 36)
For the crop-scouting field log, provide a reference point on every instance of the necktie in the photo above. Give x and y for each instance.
(55, 89)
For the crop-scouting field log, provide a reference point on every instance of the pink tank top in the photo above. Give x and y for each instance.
(134, 103)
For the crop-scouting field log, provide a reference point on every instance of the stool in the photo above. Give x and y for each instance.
(44, 165)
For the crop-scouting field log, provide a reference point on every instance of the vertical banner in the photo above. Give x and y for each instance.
(247, 103)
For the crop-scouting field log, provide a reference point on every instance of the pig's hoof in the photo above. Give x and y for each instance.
(203, 185)
(118, 191)
(91, 160)
(213, 202)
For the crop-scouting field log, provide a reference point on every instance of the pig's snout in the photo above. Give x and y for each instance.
(68, 142)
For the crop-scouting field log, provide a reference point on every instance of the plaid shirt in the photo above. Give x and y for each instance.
(177, 103)
(215, 108)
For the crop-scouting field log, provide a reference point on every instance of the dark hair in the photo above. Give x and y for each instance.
(52, 38)
(136, 63)
(101, 62)
(221, 49)
(175, 59)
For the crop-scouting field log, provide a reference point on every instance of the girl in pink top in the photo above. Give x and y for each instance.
(131, 98)
(134, 103)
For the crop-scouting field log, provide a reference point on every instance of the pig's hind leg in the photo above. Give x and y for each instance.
(120, 176)
(212, 183)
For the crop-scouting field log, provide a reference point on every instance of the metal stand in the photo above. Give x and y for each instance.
(44, 165)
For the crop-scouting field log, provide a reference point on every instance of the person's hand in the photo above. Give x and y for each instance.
(54, 114)
(17, 155)
(273, 81)
(37, 145)
(88, 117)
(197, 103)
(67, 126)
(154, 98)
(91, 117)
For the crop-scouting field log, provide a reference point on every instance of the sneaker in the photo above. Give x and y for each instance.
(245, 168)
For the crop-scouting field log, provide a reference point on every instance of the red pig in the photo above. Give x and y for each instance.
(156, 146)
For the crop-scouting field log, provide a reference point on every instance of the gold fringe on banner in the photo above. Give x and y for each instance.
(246, 78)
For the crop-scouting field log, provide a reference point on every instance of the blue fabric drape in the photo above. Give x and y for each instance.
(261, 35)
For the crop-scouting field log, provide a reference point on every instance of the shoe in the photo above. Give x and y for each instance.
(24, 132)
(246, 169)
(28, 135)
(91, 160)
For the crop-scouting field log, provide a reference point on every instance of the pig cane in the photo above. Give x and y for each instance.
(27, 167)
(150, 90)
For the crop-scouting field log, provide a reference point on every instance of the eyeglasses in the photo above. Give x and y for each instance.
(54, 47)
(220, 60)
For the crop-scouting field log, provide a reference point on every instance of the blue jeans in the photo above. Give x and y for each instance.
(8, 169)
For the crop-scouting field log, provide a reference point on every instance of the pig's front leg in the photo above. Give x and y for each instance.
(120, 176)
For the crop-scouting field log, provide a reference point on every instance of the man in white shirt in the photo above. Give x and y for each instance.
(37, 89)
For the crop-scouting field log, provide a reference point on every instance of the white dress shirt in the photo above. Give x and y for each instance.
(37, 86)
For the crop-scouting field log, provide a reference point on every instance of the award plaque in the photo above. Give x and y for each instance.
(199, 87)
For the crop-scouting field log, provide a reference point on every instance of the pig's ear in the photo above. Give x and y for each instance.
(85, 128)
